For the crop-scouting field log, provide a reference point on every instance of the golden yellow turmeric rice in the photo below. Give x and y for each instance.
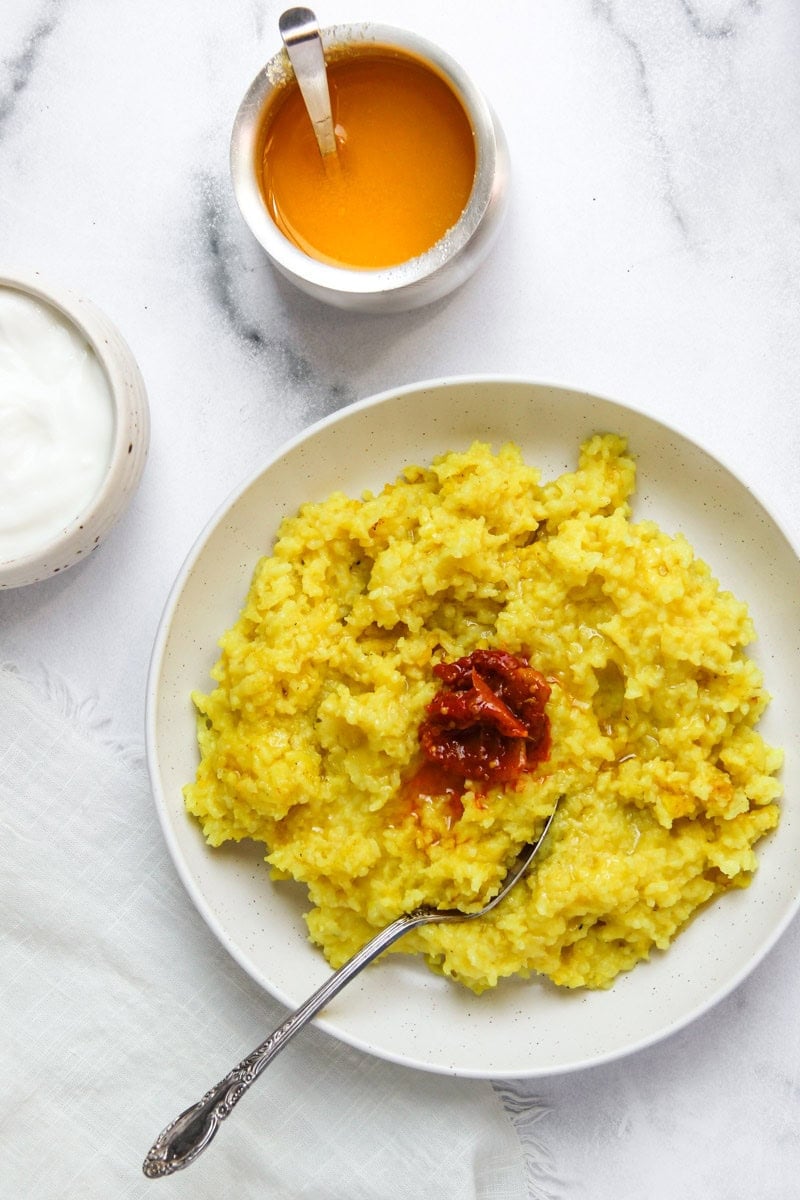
(322, 684)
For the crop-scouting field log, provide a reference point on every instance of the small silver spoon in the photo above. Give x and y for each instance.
(188, 1135)
(300, 32)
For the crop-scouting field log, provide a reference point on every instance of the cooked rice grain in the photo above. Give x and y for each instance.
(323, 681)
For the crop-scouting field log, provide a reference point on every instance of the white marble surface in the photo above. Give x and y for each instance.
(651, 253)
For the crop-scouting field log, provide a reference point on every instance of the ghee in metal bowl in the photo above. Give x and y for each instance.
(422, 174)
(403, 171)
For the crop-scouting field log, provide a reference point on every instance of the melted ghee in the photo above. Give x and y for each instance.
(403, 173)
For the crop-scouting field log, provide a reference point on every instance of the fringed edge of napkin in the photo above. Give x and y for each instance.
(525, 1112)
(84, 713)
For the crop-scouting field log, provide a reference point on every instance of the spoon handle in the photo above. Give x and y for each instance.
(188, 1135)
(300, 33)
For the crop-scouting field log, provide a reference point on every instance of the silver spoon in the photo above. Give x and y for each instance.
(185, 1138)
(300, 32)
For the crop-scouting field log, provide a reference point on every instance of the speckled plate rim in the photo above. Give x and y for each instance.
(397, 1009)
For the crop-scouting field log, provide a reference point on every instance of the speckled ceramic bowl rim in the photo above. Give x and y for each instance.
(122, 374)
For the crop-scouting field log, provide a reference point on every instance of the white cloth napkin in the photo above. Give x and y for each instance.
(120, 1008)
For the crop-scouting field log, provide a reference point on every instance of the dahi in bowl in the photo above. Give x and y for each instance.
(311, 734)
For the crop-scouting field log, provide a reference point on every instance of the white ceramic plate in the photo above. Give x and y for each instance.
(397, 1008)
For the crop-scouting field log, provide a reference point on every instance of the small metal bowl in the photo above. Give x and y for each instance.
(420, 280)
(83, 532)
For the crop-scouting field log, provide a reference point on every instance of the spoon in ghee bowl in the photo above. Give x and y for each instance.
(299, 30)
(185, 1138)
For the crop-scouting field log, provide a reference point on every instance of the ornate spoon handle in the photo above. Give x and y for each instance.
(188, 1135)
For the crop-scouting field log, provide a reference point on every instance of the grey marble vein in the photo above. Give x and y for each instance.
(19, 68)
(707, 25)
(607, 10)
(223, 259)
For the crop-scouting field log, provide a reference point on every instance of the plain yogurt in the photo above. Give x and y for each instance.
(56, 423)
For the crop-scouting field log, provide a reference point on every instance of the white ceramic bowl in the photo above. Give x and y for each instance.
(83, 533)
(397, 1008)
(411, 284)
